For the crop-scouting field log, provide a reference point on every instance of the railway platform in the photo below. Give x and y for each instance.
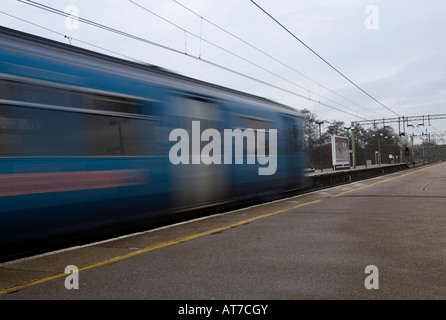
(380, 238)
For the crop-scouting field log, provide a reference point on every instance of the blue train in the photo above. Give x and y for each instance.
(90, 142)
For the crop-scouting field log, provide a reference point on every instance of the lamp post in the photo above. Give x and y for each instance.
(365, 146)
(379, 148)
(424, 140)
(320, 123)
(413, 150)
(352, 128)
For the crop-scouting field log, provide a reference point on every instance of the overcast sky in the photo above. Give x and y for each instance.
(395, 50)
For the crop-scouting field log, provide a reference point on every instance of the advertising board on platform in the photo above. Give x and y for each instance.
(340, 151)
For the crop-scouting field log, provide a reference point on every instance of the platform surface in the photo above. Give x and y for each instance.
(312, 246)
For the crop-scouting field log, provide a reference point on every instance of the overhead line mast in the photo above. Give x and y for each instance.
(423, 118)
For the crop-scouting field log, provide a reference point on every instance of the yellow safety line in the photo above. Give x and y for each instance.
(154, 247)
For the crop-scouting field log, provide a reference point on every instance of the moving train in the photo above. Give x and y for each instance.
(91, 142)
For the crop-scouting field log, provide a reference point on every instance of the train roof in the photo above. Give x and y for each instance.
(16, 35)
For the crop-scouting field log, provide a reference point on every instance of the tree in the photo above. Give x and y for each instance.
(311, 131)
(388, 143)
(333, 128)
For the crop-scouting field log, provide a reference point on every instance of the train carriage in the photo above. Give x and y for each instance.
(85, 144)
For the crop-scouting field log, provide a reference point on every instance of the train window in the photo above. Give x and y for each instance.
(61, 97)
(299, 136)
(47, 95)
(46, 124)
(114, 104)
(37, 94)
(44, 132)
(33, 131)
(197, 108)
(110, 135)
(294, 134)
(245, 122)
(8, 89)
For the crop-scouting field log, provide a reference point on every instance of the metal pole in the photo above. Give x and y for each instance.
(379, 152)
(353, 144)
(423, 148)
(320, 146)
(365, 150)
(401, 157)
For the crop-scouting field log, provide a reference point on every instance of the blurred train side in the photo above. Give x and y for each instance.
(84, 143)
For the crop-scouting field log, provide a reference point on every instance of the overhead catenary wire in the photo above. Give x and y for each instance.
(272, 57)
(330, 65)
(134, 37)
(233, 54)
(238, 56)
(70, 38)
(95, 24)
